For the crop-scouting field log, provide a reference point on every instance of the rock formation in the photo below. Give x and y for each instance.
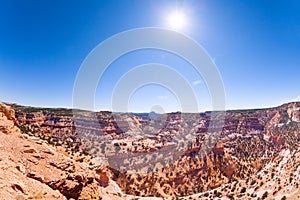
(53, 154)
(30, 168)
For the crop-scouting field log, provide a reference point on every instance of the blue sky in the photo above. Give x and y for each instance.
(255, 44)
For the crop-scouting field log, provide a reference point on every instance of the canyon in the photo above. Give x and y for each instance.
(57, 153)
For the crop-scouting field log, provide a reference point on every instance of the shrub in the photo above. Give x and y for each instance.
(253, 182)
(265, 195)
(272, 175)
(230, 196)
(243, 190)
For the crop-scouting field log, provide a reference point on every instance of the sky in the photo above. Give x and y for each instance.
(255, 45)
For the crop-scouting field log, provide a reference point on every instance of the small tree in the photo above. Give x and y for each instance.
(265, 195)
(243, 190)
(283, 198)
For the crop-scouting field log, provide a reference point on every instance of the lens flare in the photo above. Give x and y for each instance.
(177, 20)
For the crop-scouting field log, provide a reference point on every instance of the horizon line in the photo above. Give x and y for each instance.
(141, 112)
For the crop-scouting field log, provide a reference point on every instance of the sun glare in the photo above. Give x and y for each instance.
(177, 20)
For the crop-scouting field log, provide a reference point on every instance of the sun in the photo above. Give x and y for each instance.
(177, 20)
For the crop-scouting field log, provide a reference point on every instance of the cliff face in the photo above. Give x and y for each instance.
(30, 168)
(250, 141)
(293, 112)
(7, 119)
(13, 180)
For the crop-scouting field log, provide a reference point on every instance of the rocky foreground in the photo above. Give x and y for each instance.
(47, 154)
(30, 168)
